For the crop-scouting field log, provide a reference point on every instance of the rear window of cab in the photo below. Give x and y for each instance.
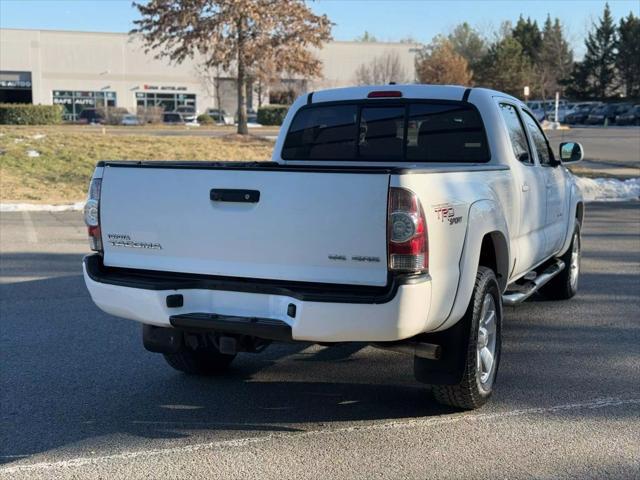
(381, 131)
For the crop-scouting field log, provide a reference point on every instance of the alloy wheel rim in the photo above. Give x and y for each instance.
(486, 344)
(575, 262)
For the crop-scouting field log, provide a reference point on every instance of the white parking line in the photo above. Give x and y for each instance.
(242, 442)
(32, 236)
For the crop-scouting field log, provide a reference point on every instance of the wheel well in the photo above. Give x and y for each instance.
(580, 212)
(494, 254)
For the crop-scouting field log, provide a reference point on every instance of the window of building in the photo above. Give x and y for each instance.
(169, 102)
(74, 102)
(15, 87)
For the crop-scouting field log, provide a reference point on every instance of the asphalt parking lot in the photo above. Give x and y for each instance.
(81, 398)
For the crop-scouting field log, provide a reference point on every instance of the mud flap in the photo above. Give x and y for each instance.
(450, 368)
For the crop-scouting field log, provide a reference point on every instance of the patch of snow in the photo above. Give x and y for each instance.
(33, 153)
(609, 189)
(38, 136)
(34, 207)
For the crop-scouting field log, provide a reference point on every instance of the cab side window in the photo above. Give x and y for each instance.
(516, 133)
(539, 141)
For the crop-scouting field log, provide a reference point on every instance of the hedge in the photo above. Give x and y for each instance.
(204, 119)
(272, 114)
(27, 114)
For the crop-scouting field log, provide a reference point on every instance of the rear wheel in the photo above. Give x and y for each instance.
(565, 285)
(482, 352)
(199, 362)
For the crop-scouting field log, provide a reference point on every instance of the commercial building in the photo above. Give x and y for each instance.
(87, 70)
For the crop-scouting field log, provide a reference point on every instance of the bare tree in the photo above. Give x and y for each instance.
(381, 70)
(210, 78)
(238, 34)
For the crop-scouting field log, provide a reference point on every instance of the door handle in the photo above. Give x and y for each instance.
(234, 195)
(525, 187)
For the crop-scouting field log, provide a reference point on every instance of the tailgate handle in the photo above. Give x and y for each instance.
(234, 195)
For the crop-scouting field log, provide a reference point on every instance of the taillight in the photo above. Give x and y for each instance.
(407, 233)
(92, 215)
(385, 94)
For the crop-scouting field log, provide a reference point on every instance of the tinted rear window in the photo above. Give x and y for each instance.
(322, 133)
(414, 132)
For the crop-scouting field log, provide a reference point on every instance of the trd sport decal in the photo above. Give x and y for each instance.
(447, 213)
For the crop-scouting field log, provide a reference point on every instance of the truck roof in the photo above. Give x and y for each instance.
(420, 91)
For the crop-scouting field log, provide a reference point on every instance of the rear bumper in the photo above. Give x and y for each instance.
(336, 314)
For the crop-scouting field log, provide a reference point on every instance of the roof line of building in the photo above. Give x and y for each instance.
(79, 32)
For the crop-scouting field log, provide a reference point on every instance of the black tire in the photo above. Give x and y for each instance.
(563, 286)
(473, 391)
(199, 362)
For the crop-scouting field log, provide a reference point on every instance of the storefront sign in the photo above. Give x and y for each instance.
(167, 88)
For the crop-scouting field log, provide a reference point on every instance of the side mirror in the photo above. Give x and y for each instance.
(571, 152)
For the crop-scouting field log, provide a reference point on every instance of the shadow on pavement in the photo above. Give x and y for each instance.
(72, 376)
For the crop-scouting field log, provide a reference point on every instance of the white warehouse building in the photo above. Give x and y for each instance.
(90, 70)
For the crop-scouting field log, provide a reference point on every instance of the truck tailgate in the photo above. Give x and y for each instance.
(310, 226)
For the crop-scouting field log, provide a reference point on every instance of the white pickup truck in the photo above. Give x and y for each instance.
(403, 217)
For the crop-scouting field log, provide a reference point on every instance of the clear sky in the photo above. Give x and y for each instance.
(385, 19)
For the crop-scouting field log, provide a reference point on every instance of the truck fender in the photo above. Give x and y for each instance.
(576, 212)
(485, 219)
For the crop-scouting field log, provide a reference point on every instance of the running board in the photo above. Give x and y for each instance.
(534, 285)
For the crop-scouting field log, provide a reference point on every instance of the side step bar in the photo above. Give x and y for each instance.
(532, 286)
(266, 328)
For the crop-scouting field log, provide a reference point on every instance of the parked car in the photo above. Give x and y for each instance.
(175, 118)
(550, 110)
(172, 118)
(606, 113)
(130, 120)
(189, 113)
(252, 117)
(220, 116)
(91, 116)
(538, 110)
(579, 112)
(630, 117)
(403, 217)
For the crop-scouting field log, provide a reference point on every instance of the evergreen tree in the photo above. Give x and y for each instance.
(505, 67)
(578, 84)
(600, 58)
(469, 44)
(628, 57)
(554, 60)
(529, 36)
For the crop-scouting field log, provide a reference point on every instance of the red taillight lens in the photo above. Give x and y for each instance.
(407, 235)
(95, 238)
(92, 214)
(385, 94)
